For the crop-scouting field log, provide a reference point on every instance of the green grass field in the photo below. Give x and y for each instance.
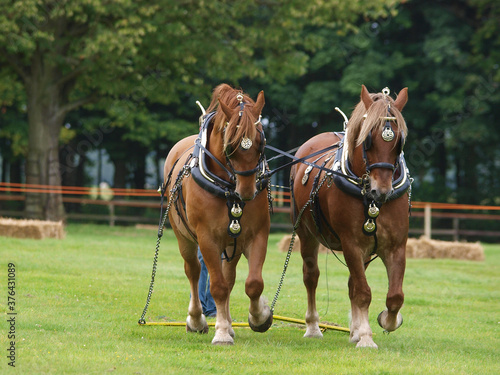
(78, 301)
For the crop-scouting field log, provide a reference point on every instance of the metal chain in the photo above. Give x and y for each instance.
(173, 194)
(153, 273)
(280, 284)
(270, 200)
(292, 241)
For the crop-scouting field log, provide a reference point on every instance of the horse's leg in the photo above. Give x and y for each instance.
(260, 316)
(195, 321)
(229, 272)
(309, 250)
(219, 288)
(360, 296)
(395, 263)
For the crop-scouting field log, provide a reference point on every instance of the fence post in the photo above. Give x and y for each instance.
(111, 207)
(427, 220)
(456, 228)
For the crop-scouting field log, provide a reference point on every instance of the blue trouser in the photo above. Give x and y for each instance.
(207, 301)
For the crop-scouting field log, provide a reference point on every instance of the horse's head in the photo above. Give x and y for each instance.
(243, 140)
(378, 132)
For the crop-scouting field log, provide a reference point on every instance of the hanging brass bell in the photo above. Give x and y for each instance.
(236, 210)
(369, 225)
(373, 210)
(235, 227)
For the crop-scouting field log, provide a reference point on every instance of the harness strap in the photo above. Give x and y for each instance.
(296, 160)
(181, 203)
(211, 156)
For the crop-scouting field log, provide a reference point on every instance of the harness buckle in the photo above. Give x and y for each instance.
(365, 181)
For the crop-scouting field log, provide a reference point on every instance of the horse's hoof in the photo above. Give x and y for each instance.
(222, 340)
(313, 332)
(202, 329)
(382, 317)
(366, 342)
(221, 343)
(262, 327)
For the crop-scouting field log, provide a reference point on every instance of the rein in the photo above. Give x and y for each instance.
(296, 160)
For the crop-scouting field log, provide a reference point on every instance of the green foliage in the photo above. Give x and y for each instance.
(140, 66)
(78, 310)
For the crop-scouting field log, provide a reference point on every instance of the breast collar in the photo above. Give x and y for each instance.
(208, 180)
(354, 185)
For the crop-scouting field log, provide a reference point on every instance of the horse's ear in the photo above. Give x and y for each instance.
(401, 100)
(365, 97)
(227, 111)
(259, 104)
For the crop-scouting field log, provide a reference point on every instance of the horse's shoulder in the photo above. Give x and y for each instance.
(179, 151)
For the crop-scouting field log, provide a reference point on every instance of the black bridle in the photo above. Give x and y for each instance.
(228, 152)
(367, 143)
(260, 163)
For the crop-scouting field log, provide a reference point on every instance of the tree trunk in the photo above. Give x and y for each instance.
(140, 169)
(42, 162)
(121, 171)
(5, 169)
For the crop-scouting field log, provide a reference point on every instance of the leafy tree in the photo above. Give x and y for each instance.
(54, 48)
(124, 56)
(446, 52)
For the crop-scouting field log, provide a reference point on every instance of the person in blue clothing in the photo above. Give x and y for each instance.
(207, 301)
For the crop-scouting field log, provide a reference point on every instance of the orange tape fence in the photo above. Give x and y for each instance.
(135, 198)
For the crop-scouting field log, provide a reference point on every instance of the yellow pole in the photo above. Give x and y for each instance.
(183, 324)
(235, 324)
(300, 321)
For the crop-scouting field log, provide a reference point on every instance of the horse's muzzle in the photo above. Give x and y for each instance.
(246, 197)
(380, 196)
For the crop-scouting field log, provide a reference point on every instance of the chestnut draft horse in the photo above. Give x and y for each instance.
(221, 206)
(357, 201)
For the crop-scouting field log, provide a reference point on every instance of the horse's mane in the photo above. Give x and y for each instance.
(359, 127)
(237, 128)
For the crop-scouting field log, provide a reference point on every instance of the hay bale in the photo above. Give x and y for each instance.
(434, 249)
(417, 248)
(36, 229)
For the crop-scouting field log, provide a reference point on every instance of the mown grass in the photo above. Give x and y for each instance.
(79, 300)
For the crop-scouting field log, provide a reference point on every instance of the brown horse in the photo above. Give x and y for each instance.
(356, 200)
(222, 207)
